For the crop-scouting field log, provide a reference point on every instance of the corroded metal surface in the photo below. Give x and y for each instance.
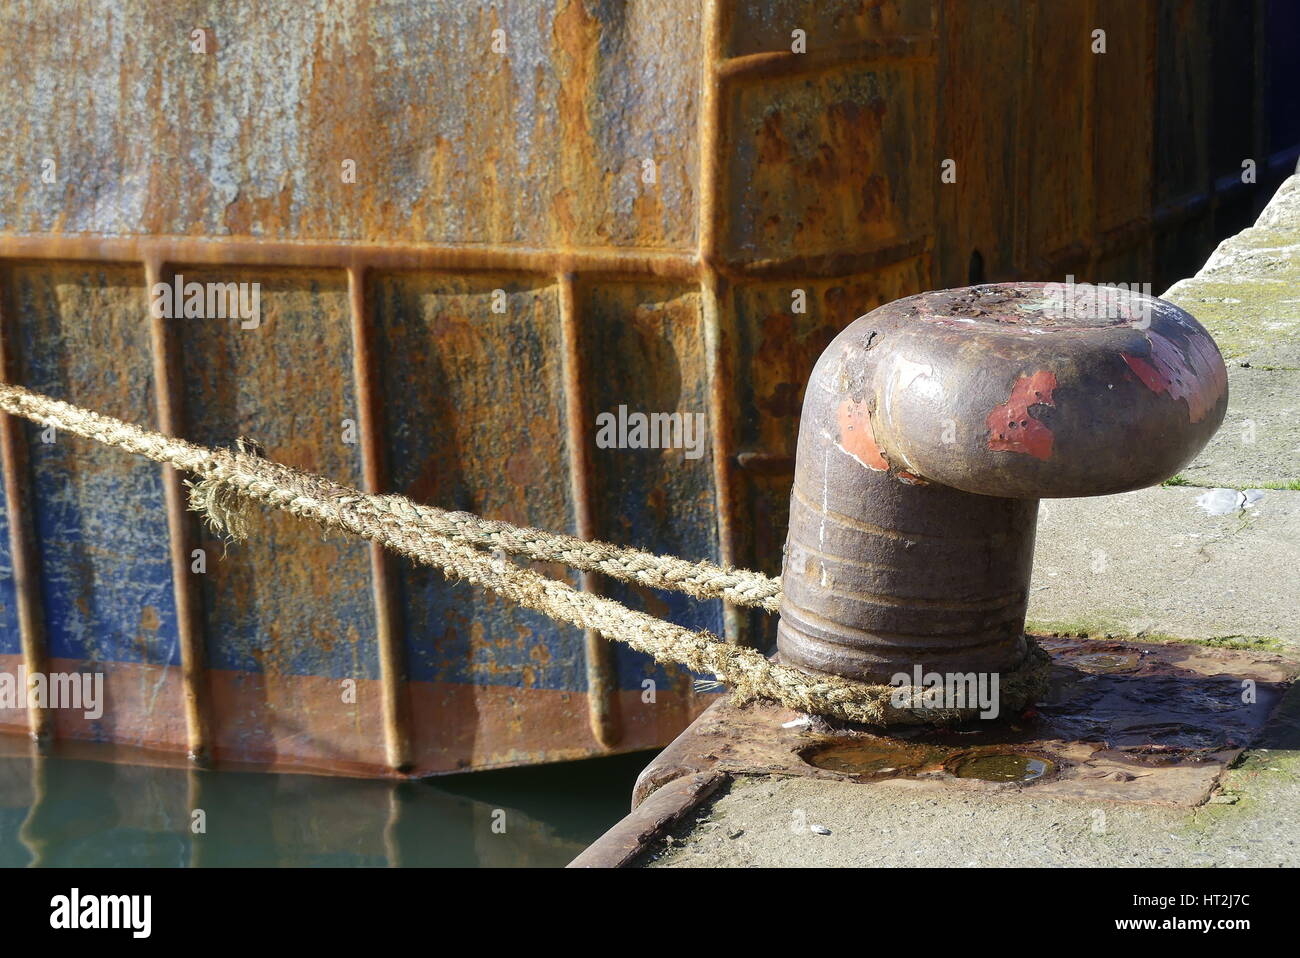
(649, 820)
(1029, 390)
(645, 349)
(518, 161)
(931, 428)
(779, 350)
(454, 142)
(97, 518)
(1123, 721)
(297, 604)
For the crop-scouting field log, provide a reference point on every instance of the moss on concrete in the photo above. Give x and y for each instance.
(1289, 485)
(1102, 629)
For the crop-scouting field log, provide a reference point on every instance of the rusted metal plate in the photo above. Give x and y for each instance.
(763, 26)
(540, 144)
(1281, 99)
(11, 644)
(472, 419)
(1183, 116)
(645, 156)
(644, 349)
(1058, 145)
(1182, 112)
(830, 162)
(979, 209)
(473, 410)
(1124, 722)
(97, 514)
(290, 603)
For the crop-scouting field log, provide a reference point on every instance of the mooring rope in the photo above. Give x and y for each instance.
(455, 542)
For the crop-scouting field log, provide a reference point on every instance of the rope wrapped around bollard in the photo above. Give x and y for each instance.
(467, 547)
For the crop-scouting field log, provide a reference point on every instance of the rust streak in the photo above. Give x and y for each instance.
(829, 265)
(868, 52)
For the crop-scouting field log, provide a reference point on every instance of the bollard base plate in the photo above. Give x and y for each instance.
(1124, 721)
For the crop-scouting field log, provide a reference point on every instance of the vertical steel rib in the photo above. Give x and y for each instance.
(712, 292)
(22, 545)
(602, 678)
(180, 535)
(392, 655)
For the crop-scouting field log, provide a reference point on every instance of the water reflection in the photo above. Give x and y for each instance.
(64, 811)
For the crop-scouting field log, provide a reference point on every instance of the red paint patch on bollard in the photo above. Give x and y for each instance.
(1012, 428)
(1169, 371)
(857, 437)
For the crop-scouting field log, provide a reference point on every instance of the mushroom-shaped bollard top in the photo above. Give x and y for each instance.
(933, 425)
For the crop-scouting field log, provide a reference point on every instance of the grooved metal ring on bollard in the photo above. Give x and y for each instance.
(931, 428)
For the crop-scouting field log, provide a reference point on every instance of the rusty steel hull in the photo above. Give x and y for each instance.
(500, 155)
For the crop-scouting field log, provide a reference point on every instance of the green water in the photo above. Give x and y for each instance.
(58, 811)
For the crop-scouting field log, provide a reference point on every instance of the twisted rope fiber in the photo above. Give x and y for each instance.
(229, 479)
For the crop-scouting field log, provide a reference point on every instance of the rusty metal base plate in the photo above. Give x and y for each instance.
(1124, 721)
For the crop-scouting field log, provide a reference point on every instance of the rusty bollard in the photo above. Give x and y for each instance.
(931, 428)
